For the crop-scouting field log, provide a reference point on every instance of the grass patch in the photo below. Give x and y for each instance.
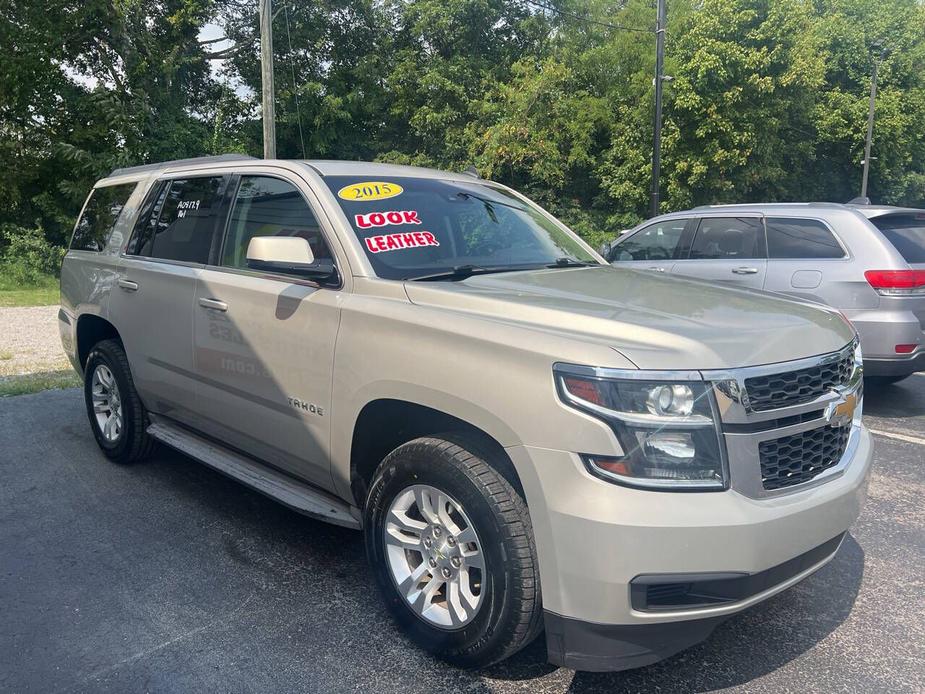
(34, 383)
(6, 356)
(42, 293)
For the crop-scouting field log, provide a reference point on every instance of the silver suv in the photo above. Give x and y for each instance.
(867, 261)
(528, 438)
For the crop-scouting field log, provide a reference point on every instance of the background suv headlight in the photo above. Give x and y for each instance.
(668, 429)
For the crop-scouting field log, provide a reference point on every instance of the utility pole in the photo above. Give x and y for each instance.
(870, 114)
(659, 78)
(266, 79)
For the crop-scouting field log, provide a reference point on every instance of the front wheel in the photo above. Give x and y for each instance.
(451, 546)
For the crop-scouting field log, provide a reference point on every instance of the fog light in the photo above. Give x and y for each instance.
(905, 349)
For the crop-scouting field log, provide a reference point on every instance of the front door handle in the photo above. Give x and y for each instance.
(128, 285)
(657, 269)
(744, 271)
(214, 304)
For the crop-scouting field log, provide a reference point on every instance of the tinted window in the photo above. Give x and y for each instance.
(727, 238)
(99, 217)
(143, 238)
(184, 228)
(801, 238)
(906, 232)
(267, 206)
(656, 242)
(411, 227)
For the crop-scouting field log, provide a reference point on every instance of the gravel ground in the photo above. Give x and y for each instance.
(29, 340)
(168, 577)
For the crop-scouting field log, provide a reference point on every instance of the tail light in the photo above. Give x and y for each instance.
(897, 282)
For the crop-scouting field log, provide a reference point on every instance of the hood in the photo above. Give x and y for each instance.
(656, 322)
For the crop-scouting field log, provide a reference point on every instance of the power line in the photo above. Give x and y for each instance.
(295, 88)
(586, 20)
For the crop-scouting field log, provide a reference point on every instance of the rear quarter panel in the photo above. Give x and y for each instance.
(88, 277)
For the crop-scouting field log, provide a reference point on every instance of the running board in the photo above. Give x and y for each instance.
(284, 489)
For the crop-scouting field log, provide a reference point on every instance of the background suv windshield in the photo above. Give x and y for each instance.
(412, 227)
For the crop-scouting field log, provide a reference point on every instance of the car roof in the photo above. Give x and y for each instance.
(322, 167)
(773, 207)
(333, 167)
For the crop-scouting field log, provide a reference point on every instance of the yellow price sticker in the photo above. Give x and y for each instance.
(370, 190)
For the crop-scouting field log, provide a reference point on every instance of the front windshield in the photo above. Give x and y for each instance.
(417, 227)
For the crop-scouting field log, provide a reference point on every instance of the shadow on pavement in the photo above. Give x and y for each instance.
(897, 401)
(746, 647)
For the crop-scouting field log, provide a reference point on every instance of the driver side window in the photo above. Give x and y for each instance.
(658, 241)
(266, 206)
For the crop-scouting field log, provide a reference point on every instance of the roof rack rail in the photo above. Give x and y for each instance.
(125, 170)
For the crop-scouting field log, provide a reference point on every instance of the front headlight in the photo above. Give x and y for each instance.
(668, 428)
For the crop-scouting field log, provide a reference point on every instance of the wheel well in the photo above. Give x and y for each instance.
(90, 330)
(384, 425)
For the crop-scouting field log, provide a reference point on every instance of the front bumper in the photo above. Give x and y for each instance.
(594, 538)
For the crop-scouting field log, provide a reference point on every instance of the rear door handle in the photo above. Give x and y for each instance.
(744, 271)
(128, 285)
(214, 304)
(657, 269)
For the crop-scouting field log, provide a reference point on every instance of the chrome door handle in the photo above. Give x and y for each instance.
(657, 269)
(744, 271)
(128, 285)
(214, 304)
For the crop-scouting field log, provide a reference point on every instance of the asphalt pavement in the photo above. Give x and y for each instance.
(168, 577)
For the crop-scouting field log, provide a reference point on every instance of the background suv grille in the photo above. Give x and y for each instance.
(797, 387)
(799, 458)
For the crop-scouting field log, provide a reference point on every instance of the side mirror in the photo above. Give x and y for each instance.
(291, 255)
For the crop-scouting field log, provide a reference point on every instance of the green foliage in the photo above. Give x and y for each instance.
(768, 99)
(26, 257)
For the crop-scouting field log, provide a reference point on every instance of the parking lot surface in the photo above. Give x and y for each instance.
(168, 577)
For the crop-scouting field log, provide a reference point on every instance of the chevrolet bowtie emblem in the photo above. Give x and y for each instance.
(841, 413)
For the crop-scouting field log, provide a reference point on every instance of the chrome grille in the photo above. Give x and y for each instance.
(797, 387)
(792, 460)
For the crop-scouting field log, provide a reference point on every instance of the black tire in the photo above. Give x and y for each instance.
(510, 615)
(133, 443)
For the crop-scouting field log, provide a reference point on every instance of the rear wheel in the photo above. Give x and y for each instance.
(451, 547)
(117, 416)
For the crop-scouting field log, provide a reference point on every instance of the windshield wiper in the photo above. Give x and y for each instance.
(571, 262)
(461, 272)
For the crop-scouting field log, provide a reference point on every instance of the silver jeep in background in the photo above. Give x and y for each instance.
(867, 261)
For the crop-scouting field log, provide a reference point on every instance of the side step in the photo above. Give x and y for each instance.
(284, 489)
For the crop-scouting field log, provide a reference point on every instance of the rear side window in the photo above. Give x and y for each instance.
(179, 220)
(728, 238)
(906, 232)
(100, 215)
(267, 206)
(801, 238)
(656, 242)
